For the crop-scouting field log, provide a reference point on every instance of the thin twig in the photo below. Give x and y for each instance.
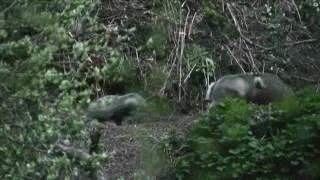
(237, 61)
(296, 7)
(182, 35)
(251, 59)
(301, 42)
(238, 27)
(9, 7)
(305, 79)
(190, 27)
(188, 75)
(235, 21)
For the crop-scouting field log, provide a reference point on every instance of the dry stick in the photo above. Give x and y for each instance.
(296, 7)
(251, 59)
(190, 27)
(239, 29)
(235, 21)
(171, 56)
(254, 3)
(237, 61)
(183, 38)
(174, 62)
(139, 66)
(179, 41)
(263, 66)
(305, 79)
(301, 42)
(223, 5)
(9, 7)
(188, 75)
(161, 91)
(242, 36)
(240, 32)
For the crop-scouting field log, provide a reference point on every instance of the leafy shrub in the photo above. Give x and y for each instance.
(244, 141)
(44, 72)
(309, 10)
(217, 22)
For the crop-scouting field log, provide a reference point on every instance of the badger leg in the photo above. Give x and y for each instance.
(118, 121)
(94, 129)
(94, 145)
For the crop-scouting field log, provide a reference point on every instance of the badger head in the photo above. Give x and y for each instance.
(209, 99)
(259, 83)
(228, 86)
(133, 101)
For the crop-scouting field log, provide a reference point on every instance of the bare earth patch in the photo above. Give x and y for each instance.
(132, 145)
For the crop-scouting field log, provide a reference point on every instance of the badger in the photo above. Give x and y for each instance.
(110, 108)
(115, 108)
(256, 88)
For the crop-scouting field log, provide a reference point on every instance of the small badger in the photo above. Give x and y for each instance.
(115, 108)
(110, 108)
(259, 89)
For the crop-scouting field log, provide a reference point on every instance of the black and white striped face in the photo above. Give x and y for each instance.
(228, 86)
(210, 98)
(209, 91)
(259, 89)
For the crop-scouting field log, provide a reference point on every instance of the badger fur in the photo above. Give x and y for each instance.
(115, 108)
(110, 108)
(256, 88)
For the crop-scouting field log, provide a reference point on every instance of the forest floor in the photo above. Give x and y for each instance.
(135, 147)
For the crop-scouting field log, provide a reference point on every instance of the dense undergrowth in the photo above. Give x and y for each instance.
(58, 56)
(245, 141)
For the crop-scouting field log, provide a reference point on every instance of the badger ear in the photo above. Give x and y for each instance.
(259, 83)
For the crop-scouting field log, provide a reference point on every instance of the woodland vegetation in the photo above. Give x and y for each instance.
(58, 56)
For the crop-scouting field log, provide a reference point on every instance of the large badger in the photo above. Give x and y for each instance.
(256, 88)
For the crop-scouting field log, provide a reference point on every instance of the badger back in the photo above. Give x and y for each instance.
(236, 86)
(133, 100)
(114, 107)
(259, 89)
(274, 89)
(103, 108)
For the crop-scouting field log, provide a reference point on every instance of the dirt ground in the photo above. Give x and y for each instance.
(135, 146)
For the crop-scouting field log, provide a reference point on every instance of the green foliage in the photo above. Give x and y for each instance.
(28, 145)
(310, 9)
(154, 162)
(217, 22)
(45, 67)
(56, 55)
(266, 13)
(200, 63)
(241, 140)
(158, 42)
(157, 78)
(152, 37)
(160, 105)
